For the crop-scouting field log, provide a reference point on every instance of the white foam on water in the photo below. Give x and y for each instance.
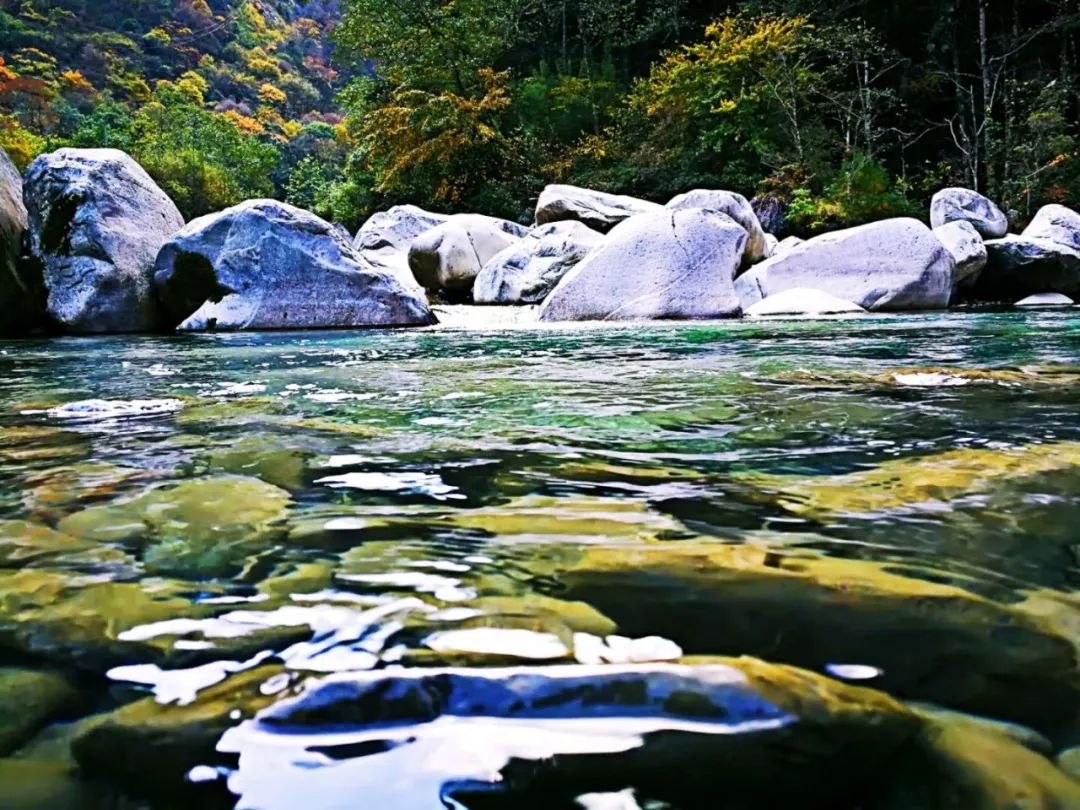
(511, 642)
(92, 410)
(420, 483)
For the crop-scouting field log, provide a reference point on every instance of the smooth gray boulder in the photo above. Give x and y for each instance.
(22, 297)
(964, 205)
(1020, 266)
(384, 240)
(672, 264)
(784, 245)
(895, 264)
(801, 301)
(1046, 300)
(738, 208)
(525, 273)
(264, 264)
(449, 257)
(1055, 223)
(966, 246)
(96, 224)
(597, 209)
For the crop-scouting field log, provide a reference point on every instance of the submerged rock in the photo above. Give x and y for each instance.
(202, 527)
(964, 205)
(150, 749)
(800, 301)
(22, 296)
(563, 731)
(30, 699)
(24, 543)
(384, 240)
(597, 209)
(666, 265)
(1020, 266)
(527, 272)
(449, 257)
(739, 209)
(909, 483)
(896, 264)
(268, 265)
(966, 246)
(96, 224)
(929, 641)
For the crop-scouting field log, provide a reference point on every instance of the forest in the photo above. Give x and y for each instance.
(828, 114)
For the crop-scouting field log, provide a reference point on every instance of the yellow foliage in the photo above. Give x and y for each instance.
(272, 95)
(290, 129)
(6, 73)
(21, 145)
(159, 36)
(74, 80)
(246, 125)
(194, 86)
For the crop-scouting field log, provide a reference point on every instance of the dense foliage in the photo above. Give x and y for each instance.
(835, 112)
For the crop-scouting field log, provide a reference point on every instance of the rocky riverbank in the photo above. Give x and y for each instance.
(89, 244)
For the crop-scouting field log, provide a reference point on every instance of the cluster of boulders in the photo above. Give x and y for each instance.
(90, 244)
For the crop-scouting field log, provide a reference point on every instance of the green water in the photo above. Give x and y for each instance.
(898, 495)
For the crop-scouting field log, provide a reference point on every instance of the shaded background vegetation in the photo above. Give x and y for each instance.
(832, 113)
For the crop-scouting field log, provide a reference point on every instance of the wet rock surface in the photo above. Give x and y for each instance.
(22, 296)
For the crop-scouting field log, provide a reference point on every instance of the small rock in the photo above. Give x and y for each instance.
(1046, 300)
(801, 301)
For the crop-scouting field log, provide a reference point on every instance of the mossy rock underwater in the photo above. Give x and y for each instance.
(204, 527)
(930, 642)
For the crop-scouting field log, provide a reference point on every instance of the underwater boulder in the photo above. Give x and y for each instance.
(29, 700)
(96, 223)
(264, 264)
(202, 527)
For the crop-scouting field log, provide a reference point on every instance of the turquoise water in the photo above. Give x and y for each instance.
(890, 500)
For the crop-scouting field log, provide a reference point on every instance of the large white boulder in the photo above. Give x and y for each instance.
(597, 209)
(895, 264)
(738, 208)
(384, 240)
(525, 273)
(264, 264)
(964, 205)
(449, 257)
(671, 264)
(1055, 223)
(966, 246)
(96, 224)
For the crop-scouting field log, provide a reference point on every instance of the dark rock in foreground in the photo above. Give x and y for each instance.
(665, 265)
(268, 265)
(22, 297)
(96, 223)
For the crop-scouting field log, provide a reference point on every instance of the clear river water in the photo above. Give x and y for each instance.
(193, 527)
